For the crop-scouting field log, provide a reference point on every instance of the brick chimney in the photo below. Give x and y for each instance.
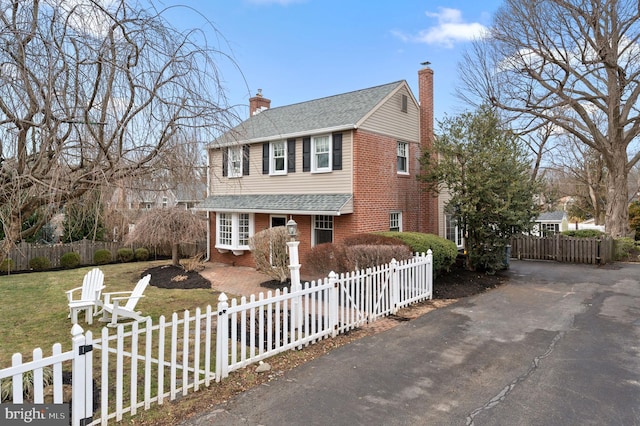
(258, 103)
(429, 202)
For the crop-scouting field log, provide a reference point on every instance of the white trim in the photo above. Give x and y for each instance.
(272, 171)
(285, 136)
(235, 233)
(314, 154)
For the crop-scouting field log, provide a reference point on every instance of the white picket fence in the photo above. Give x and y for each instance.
(145, 363)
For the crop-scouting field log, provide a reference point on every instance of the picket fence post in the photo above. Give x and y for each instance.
(333, 303)
(394, 285)
(222, 339)
(81, 377)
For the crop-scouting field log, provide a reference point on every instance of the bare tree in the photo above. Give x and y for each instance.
(172, 227)
(568, 62)
(94, 92)
(586, 173)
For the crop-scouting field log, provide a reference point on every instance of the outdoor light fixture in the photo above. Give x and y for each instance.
(292, 228)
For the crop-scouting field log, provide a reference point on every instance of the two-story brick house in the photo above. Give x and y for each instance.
(340, 165)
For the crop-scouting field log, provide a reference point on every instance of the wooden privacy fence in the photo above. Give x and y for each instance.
(23, 252)
(562, 248)
(154, 363)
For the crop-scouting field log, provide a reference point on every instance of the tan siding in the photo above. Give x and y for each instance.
(337, 181)
(389, 120)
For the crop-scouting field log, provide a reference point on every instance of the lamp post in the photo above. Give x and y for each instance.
(294, 264)
(294, 267)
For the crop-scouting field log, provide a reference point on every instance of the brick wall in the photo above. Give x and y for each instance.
(429, 203)
(379, 189)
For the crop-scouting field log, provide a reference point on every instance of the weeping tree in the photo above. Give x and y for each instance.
(173, 226)
(93, 92)
(574, 64)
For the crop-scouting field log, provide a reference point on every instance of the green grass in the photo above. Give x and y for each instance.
(33, 306)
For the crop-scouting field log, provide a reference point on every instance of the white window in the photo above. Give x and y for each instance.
(321, 153)
(165, 202)
(233, 231)
(278, 156)
(322, 229)
(395, 221)
(235, 161)
(549, 228)
(403, 150)
(452, 231)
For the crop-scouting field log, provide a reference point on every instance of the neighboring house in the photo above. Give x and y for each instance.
(550, 223)
(340, 165)
(160, 196)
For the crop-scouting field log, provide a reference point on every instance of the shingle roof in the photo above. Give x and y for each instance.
(551, 216)
(333, 113)
(329, 204)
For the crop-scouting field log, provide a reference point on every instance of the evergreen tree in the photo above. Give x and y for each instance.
(485, 170)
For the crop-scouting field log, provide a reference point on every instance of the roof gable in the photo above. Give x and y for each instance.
(333, 113)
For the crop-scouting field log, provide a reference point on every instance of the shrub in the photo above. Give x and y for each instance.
(142, 254)
(623, 248)
(40, 263)
(269, 249)
(444, 251)
(125, 254)
(193, 263)
(583, 233)
(368, 256)
(102, 257)
(325, 258)
(373, 240)
(70, 260)
(7, 265)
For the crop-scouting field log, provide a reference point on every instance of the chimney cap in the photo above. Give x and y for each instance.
(426, 63)
(259, 94)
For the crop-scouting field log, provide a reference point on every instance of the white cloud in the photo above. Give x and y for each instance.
(449, 30)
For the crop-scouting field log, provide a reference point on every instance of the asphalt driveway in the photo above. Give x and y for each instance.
(558, 345)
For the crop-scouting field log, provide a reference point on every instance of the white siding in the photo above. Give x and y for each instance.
(299, 182)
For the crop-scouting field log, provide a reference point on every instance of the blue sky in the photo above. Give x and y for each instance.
(298, 50)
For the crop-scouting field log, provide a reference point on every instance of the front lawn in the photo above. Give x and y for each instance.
(33, 306)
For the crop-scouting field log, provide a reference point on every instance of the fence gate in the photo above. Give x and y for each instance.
(82, 378)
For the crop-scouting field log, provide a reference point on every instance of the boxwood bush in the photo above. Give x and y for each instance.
(583, 233)
(7, 266)
(142, 254)
(102, 257)
(623, 248)
(444, 251)
(70, 260)
(40, 263)
(125, 254)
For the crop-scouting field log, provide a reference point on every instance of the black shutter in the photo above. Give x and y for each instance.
(337, 151)
(306, 154)
(265, 158)
(225, 161)
(291, 156)
(245, 160)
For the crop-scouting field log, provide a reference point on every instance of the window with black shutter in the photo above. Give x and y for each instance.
(291, 155)
(337, 151)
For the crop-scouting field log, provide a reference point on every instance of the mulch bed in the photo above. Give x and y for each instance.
(169, 276)
(458, 282)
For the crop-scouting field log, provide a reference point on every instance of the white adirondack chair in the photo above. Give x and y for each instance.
(124, 304)
(89, 299)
